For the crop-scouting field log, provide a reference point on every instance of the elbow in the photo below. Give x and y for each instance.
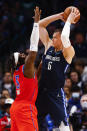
(73, 52)
(40, 24)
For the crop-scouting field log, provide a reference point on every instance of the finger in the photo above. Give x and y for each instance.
(72, 9)
(78, 15)
(40, 12)
(37, 8)
(77, 12)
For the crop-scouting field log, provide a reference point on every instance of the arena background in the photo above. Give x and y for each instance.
(15, 28)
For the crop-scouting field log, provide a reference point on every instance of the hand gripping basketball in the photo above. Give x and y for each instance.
(67, 12)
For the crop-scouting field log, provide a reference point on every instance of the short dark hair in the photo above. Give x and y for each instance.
(75, 88)
(74, 70)
(79, 62)
(58, 30)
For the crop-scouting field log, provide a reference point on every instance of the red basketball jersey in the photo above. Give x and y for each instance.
(26, 88)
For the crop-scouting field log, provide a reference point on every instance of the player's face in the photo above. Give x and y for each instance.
(21, 59)
(57, 40)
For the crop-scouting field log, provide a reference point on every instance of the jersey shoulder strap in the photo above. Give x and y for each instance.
(51, 48)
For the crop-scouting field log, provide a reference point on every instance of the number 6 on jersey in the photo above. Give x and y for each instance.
(49, 65)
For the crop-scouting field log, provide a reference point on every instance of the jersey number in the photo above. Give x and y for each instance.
(17, 84)
(49, 65)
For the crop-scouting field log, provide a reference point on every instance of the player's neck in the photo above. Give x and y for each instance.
(58, 48)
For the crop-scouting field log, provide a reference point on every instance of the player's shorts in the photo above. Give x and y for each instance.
(52, 103)
(23, 117)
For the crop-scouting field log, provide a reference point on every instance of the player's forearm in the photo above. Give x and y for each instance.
(65, 35)
(46, 21)
(34, 38)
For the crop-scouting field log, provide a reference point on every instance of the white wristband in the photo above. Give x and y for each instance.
(36, 25)
(34, 37)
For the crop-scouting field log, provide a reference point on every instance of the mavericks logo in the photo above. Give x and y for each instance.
(52, 58)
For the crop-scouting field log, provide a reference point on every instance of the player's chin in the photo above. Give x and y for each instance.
(21, 60)
(19, 64)
(56, 45)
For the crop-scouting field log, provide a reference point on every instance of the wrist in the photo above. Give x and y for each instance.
(36, 20)
(68, 20)
(68, 23)
(58, 16)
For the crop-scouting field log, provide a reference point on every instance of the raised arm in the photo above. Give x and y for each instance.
(44, 23)
(29, 68)
(68, 50)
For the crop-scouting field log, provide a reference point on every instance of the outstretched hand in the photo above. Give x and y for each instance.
(37, 14)
(74, 13)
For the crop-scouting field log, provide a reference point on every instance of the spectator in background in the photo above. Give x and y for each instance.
(79, 119)
(79, 66)
(67, 94)
(75, 98)
(5, 93)
(5, 121)
(8, 84)
(84, 75)
(75, 78)
(83, 102)
(80, 45)
(68, 83)
(84, 87)
(67, 89)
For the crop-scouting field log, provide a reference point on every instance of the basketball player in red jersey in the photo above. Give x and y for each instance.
(23, 111)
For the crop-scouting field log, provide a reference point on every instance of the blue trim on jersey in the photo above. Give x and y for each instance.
(32, 118)
(66, 116)
(34, 75)
(17, 69)
(66, 68)
(58, 52)
(33, 94)
(23, 69)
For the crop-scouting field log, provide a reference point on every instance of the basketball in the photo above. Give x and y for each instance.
(67, 12)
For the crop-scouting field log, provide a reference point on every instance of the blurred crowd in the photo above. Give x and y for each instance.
(15, 29)
(76, 95)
